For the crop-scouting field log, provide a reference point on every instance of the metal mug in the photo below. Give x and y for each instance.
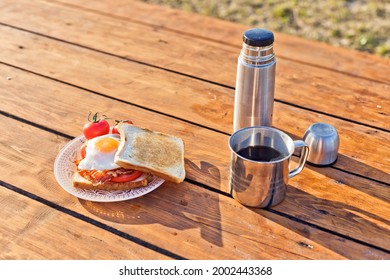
(257, 183)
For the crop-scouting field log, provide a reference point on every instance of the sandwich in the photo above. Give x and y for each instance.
(129, 159)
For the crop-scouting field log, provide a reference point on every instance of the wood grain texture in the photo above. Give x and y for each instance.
(362, 150)
(296, 83)
(32, 230)
(326, 197)
(82, 59)
(287, 47)
(191, 221)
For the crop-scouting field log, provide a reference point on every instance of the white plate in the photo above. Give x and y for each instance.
(64, 168)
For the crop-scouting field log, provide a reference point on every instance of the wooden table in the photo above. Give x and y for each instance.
(174, 72)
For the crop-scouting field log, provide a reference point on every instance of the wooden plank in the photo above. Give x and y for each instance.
(363, 150)
(287, 47)
(32, 230)
(332, 199)
(298, 84)
(188, 220)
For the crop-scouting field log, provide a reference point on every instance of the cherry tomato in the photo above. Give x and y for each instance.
(96, 127)
(115, 128)
(127, 177)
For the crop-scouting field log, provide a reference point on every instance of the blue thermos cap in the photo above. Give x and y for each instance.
(258, 37)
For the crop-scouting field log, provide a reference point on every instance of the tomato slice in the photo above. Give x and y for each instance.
(83, 151)
(127, 177)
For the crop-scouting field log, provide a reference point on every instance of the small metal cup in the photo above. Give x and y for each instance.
(257, 183)
(323, 141)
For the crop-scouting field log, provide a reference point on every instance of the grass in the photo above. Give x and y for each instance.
(363, 25)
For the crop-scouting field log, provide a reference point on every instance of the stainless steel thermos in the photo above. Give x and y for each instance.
(255, 80)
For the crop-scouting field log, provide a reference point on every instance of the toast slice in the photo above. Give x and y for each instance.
(82, 183)
(152, 152)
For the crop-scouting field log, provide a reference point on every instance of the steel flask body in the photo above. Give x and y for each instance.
(255, 80)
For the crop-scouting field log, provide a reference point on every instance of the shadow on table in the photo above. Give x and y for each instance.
(346, 166)
(356, 167)
(340, 227)
(317, 217)
(357, 175)
(175, 206)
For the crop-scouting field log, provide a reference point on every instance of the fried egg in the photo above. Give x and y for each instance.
(100, 153)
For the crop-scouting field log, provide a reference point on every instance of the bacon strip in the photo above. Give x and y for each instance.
(102, 176)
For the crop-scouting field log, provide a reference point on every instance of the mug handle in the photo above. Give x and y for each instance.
(302, 159)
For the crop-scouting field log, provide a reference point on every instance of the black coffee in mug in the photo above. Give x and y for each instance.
(260, 153)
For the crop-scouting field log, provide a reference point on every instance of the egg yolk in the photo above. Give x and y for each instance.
(106, 145)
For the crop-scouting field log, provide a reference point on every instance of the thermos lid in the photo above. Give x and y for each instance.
(258, 37)
(323, 141)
